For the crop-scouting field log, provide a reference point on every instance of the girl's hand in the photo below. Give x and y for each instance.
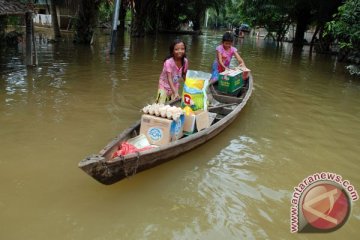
(175, 96)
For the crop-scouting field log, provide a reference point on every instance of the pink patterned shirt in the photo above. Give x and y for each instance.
(176, 73)
(226, 55)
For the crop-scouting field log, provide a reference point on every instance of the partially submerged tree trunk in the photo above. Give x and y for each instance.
(55, 22)
(139, 17)
(302, 22)
(86, 22)
(137, 26)
(3, 22)
(314, 39)
(325, 12)
(122, 15)
(324, 42)
(199, 17)
(197, 23)
(29, 39)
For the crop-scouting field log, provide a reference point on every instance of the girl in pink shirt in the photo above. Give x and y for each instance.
(174, 70)
(224, 53)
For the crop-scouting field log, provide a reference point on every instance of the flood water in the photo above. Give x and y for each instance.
(302, 118)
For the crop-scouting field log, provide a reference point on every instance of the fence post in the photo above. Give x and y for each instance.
(29, 38)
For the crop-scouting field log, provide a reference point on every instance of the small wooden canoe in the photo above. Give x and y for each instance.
(108, 170)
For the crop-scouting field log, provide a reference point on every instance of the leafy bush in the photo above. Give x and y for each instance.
(345, 26)
(346, 29)
(105, 12)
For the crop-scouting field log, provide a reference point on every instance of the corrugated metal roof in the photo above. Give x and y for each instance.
(12, 7)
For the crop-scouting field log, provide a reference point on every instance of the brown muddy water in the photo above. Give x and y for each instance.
(303, 118)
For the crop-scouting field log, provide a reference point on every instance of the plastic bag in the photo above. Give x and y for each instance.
(194, 92)
(127, 148)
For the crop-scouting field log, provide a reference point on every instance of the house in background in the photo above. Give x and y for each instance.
(10, 8)
(289, 36)
(42, 16)
(16, 8)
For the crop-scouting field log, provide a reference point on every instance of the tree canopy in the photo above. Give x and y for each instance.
(345, 26)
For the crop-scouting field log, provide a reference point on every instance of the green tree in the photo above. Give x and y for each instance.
(323, 11)
(86, 21)
(152, 15)
(277, 15)
(106, 9)
(346, 29)
(199, 8)
(169, 15)
(273, 15)
(139, 17)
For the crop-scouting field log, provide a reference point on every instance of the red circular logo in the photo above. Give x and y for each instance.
(187, 99)
(325, 207)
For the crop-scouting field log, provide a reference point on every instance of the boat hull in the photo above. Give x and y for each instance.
(108, 171)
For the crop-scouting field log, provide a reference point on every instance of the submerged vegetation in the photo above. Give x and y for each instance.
(345, 29)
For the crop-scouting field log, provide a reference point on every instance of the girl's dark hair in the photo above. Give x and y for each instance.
(171, 51)
(227, 37)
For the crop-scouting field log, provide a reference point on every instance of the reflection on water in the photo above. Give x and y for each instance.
(302, 118)
(230, 184)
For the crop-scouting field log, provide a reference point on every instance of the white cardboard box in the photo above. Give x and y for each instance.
(160, 131)
(200, 120)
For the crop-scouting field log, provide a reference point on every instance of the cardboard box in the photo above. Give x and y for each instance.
(189, 124)
(160, 131)
(230, 81)
(245, 72)
(202, 120)
(199, 121)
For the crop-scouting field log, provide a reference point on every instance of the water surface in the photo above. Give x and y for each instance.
(303, 118)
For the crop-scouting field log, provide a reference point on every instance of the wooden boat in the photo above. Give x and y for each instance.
(108, 170)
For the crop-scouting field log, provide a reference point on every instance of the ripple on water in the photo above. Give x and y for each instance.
(229, 185)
